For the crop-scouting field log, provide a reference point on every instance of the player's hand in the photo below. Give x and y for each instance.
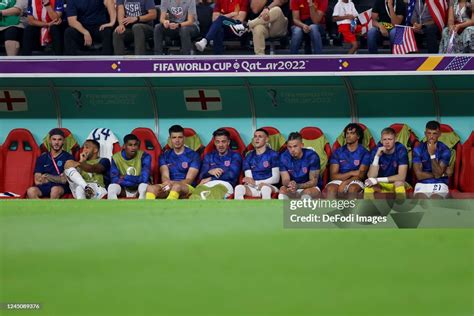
(371, 182)
(120, 29)
(166, 24)
(292, 186)
(248, 180)
(306, 28)
(166, 185)
(431, 147)
(380, 151)
(383, 30)
(44, 178)
(87, 39)
(205, 180)
(216, 172)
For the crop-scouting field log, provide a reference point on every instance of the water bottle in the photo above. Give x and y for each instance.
(353, 25)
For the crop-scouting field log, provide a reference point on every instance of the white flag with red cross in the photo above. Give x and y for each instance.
(203, 100)
(13, 101)
(365, 19)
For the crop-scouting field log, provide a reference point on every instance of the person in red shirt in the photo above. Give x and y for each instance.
(226, 14)
(308, 20)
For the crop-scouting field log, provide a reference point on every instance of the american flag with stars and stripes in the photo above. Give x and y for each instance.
(404, 41)
(410, 9)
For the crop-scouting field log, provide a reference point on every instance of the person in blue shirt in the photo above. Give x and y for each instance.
(430, 163)
(388, 170)
(88, 177)
(299, 170)
(130, 170)
(348, 165)
(179, 167)
(49, 178)
(261, 170)
(222, 165)
(90, 21)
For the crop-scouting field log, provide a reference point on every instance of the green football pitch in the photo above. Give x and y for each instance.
(222, 258)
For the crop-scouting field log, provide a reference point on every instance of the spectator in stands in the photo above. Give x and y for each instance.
(388, 170)
(220, 168)
(44, 27)
(179, 167)
(425, 27)
(12, 24)
(299, 170)
(226, 14)
(348, 165)
(89, 21)
(458, 36)
(178, 19)
(345, 15)
(308, 20)
(135, 18)
(130, 170)
(430, 163)
(87, 178)
(261, 169)
(50, 180)
(266, 19)
(385, 15)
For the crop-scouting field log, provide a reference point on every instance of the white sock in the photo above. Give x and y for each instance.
(142, 191)
(113, 191)
(283, 197)
(80, 193)
(75, 177)
(266, 193)
(239, 192)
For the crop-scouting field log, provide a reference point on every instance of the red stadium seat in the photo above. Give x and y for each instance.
(19, 153)
(236, 142)
(149, 143)
(275, 139)
(466, 178)
(70, 144)
(191, 140)
(314, 138)
(368, 141)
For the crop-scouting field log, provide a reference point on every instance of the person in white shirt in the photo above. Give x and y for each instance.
(345, 15)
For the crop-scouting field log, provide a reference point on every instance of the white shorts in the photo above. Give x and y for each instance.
(338, 182)
(256, 192)
(299, 191)
(100, 192)
(230, 189)
(429, 189)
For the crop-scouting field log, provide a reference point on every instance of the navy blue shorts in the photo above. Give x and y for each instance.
(46, 188)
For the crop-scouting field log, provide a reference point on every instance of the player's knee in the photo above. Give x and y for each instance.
(331, 188)
(354, 188)
(32, 193)
(69, 164)
(114, 187)
(177, 187)
(56, 192)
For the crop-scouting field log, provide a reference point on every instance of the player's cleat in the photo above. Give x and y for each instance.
(239, 29)
(90, 193)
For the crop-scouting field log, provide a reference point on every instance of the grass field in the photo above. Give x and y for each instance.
(222, 258)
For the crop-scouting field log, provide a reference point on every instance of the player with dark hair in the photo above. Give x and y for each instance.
(299, 170)
(87, 178)
(348, 165)
(49, 179)
(130, 170)
(430, 163)
(179, 167)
